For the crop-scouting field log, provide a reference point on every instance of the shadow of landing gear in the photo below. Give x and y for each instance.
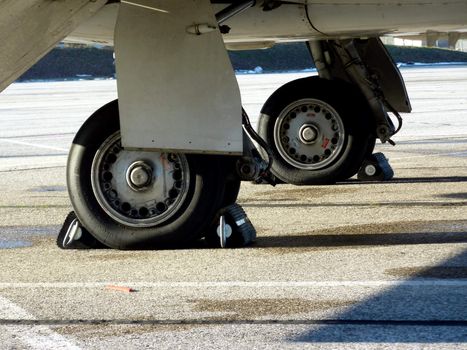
(360, 240)
(371, 235)
(410, 180)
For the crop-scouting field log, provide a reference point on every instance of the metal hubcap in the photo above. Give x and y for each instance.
(370, 170)
(309, 134)
(139, 176)
(136, 188)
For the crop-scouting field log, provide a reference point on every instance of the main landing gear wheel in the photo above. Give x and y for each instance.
(136, 199)
(319, 131)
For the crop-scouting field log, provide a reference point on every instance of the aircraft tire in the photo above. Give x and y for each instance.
(112, 211)
(349, 172)
(319, 131)
(232, 188)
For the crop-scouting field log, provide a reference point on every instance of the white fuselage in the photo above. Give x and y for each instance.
(316, 20)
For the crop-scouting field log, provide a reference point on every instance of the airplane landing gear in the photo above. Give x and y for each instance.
(319, 131)
(129, 199)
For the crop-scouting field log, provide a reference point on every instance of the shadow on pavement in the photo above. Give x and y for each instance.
(422, 309)
(360, 240)
(406, 180)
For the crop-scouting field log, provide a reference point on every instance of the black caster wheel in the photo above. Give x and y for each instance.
(73, 236)
(376, 168)
(233, 230)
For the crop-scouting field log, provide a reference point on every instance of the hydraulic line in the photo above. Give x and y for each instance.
(233, 10)
(254, 135)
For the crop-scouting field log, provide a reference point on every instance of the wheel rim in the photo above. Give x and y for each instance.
(136, 188)
(309, 134)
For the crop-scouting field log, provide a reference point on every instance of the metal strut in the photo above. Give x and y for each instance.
(233, 10)
(357, 71)
(342, 60)
(252, 167)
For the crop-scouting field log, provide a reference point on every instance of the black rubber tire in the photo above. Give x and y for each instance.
(354, 113)
(231, 190)
(202, 202)
(230, 193)
(349, 172)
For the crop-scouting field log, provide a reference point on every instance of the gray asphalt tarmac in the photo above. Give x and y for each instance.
(351, 266)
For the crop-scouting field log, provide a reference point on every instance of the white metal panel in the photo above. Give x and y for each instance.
(288, 22)
(342, 18)
(254, 25)
(30, 29)
(177, 91)
(99, 29)
(337, 19)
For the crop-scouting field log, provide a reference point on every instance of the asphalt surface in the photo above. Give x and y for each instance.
(351, 266)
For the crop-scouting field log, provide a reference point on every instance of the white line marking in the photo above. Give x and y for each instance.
(34, 145)
(144, 6)
(429, 155)
(35, 337)
(241, 284)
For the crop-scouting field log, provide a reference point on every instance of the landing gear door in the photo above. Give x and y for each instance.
(176, 86)
(379, 62)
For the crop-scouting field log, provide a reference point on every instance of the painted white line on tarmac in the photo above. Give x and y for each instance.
(35, 337)
(35, 145)
(461, 153)
(240, 284)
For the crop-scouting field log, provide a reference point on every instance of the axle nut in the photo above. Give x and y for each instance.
(139, 175)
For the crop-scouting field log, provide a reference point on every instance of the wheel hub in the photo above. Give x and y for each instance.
(137, 188)
(139, 176)
(308, 134)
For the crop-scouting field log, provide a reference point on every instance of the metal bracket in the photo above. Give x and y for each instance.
(252, 167)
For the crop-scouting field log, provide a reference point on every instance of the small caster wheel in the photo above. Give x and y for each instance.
(376, 168)
(234, 229)
(73, 236)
